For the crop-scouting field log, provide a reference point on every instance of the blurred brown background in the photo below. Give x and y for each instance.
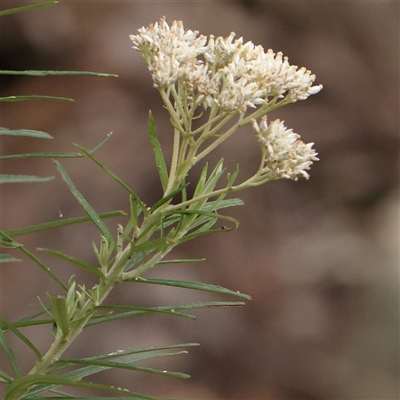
(320, 258)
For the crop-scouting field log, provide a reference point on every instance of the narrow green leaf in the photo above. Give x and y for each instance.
(151, 245)
(171, 310)
(136, 258)
(5, 258)
(46, 310)
(33, 258)
(86, 206)
(201, 182)
(61, 395)
(23, 323)
(62, 73)
(9, 354)
(27, 8)
(59, 223)
(123, 365)
(233, 176)
(60, 311)
(113, 176)
(7, 325)
(218, 205)
(205, 230)
(23, 179)
(5, 378)
(33, 97)
(85, 266)
(25, 132)
(29, 321)
(53, 155)
(214, 177)
(160, 161)
(41, 155)
(168, 197)
(135, 211)
(205, 287)
(182, 261)
(123, 356)
(206, 220)
(133, 312)
(123, 353)
(95, 147)
(21, 384)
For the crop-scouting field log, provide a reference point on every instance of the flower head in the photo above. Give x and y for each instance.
(220, 71)
(230, 77)
(284, 154)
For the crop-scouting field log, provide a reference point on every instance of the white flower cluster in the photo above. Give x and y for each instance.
(285, 156)
(224, 72)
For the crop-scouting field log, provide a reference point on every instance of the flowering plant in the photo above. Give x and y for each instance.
(213, 79)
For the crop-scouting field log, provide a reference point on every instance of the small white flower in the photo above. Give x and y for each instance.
(286, 156)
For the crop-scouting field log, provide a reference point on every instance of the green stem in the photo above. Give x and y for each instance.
(61, 343)
(174, 163)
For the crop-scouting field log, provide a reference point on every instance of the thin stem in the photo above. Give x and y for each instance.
(222, 138)
(174, 163)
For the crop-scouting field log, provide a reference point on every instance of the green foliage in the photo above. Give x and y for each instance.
(149, 234)
(143, 242)
(27, 8)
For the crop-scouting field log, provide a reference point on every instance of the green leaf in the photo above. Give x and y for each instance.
(29, 321)
(51, 73)
(9, 354)
(134, 312)
(124, 365)
(113, 176)
(123, 356)
(205, 287)
(171, 310)
(218, 205)
(168, 197)
(4, 258)
(85, 266)
(5, 378)
(7, 325)
(59, 223)
(27, 8)
(20, 385)
(160, 161)
(33, 258)
(46, 154)
(60, 311)
(23, 179)
(86, 206)
(182, 261)
(150, 245)
(143, 350)
(135, 211)
(25, 132)
(33, 97)
(201, 182)
(41, 155)
(95, 147)
(214, 177)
